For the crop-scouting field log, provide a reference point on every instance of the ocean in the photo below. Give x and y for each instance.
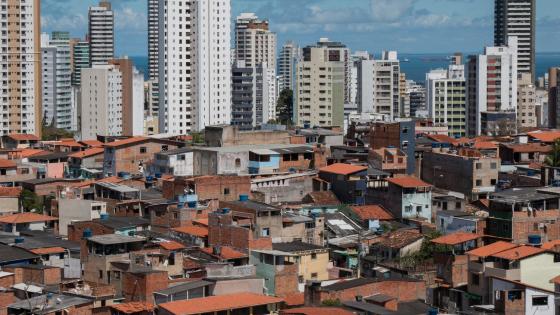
(418, 64)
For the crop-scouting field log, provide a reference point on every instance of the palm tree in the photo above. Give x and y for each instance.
(553, 159)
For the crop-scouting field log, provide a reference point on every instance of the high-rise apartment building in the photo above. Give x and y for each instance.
(253, 95)
(553, 91)
(492, 91)
(321, 84)
(101, 101)
(153, 34)
(57, 80)
(517, 18)
(446, 98)
(194, 64)
(379, 86)
(417, 94)
(287, 60)
(101, 33)
(527, 110)
(20, 98)
(80, 59)
(254, 42)
(132, 97)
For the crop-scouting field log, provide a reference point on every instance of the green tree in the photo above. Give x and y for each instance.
(51, 133)
(30, 201)
(285, 107)
(553, 159)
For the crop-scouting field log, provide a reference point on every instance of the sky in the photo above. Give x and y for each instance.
(409, 26)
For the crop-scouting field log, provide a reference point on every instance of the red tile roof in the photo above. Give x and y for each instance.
(455, 238)
(171, 245)
(408, 182)
(485, 145)
(529, 148)
(295, 299)
(218, 303)
(23, 137)
(26, 217)
(7, 164)
(133, 307)
(372, 212)
(442, 139)
(10, 191)
(47, 250)
(343, 169)
(550, 245)
(68, 143)
(199, 231)
(92, 143)
(25, 153)
(128, 141)
(201, 221)
(226, 253)
(555, 280)
(545, 136)
(87, 153)
(316, 311)
(520, 252)
(489, 250)
(400, 238)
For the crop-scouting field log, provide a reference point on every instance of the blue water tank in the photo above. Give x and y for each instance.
(87, 233)
(534, 240)
(306, 126)
(19, 240)
(104, 216)
(158, 175)
(226, 210)
(445, 145)
(433, 311)
(435, 145)
(191, 204)
(180, 205)
(149, 179)
(243, 197)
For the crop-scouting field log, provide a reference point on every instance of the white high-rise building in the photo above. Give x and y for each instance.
(379, 85)
(101, 101)
(492, 91)
(153, 34)
(57, 80)
(194, 64)
(287, 60)
(254, 42)
(101, 33)
(20, 96)
(446, 98)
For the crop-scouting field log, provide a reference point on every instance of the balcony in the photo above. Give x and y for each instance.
(490, 269)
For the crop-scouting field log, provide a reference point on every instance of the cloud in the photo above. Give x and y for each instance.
(391, 10)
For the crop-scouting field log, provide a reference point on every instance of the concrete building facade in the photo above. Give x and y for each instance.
(20, 98)
(288, 58)
(321, 80)
(101, 33)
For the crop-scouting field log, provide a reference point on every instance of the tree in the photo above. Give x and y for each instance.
(51, 133)
(553, 159)
(285, 107)
(30, 201)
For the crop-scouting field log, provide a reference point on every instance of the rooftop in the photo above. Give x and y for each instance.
(296, 247)
(519, 252)
(353, 283)
(408, 182)
(133, 307)
(226, 253)
(87, 153)
(254, 205)
(42, 305)
(372, 212)
(317, 311)
(455, 238)
(26, 217)
(489, 250)
(176, 151)
(184, 286)
(323, 198)
(111, 239)
(545, 136)
(520, 195)
(9, 254)
(171, 245)
(218, 303)
(124, 142)
(400, 238)
(7, 164)
(343, 169)
(117, 187)
(10, 191)
(23, 137)
(117, 223)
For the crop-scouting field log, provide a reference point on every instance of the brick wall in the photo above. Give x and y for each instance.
(46, 276)
(286, 280)
(6, 298)
(401, 290)
(7, 282)
(223, 188)
(141, 286)
(128, 158)
(525, 224)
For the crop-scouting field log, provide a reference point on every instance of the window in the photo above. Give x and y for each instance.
(475, 279)
(493, 166)
(117, 275)
(492, 182)
(100, 274)
(313, 256)
(237, 163)
(164, 148)
(314, 276)
(408, 209)
(143, 149)
(458, 205)
(540, 300)
(418, 208)
(265, 232)
(478, 166)
(181, 157)
(479, 182)
(226, 191)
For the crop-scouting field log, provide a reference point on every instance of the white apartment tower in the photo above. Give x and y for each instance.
(101, 33)
(446, 98)
(194, 64)
(254, 42)
(287, 60)
(20, 99)
(379, 83)
(153, 34)
(517, 18)
(101, 101)
(57, 80)
(492, 91)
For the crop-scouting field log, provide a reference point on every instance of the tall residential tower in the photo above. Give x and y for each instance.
(101, 33)
(20, 98)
